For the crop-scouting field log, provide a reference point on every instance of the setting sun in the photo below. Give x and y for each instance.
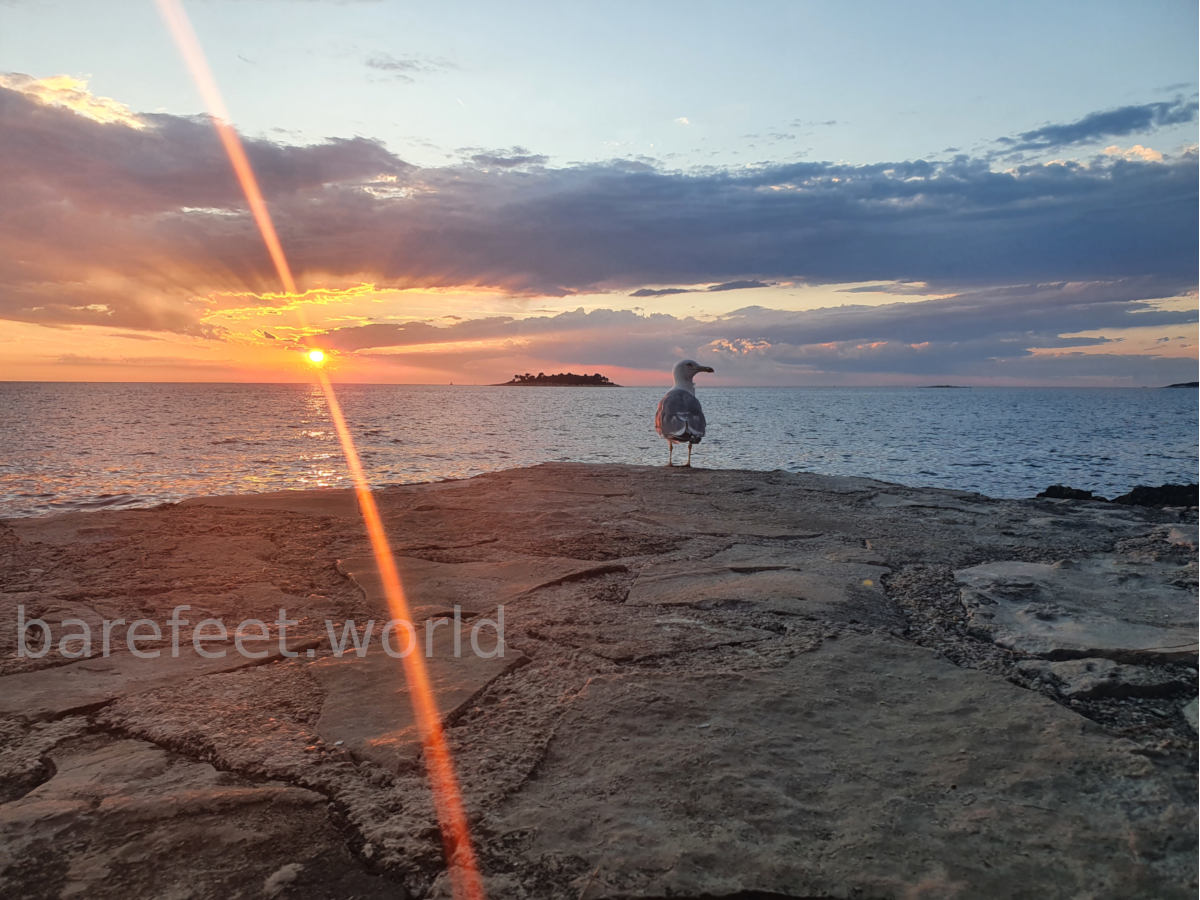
(316, 357)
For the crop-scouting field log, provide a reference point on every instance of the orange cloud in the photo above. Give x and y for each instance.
(1137, 151)
(73, 94)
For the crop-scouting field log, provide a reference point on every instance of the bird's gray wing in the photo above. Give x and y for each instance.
(680, 417)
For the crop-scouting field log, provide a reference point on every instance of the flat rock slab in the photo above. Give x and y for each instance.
(725, 695)
(1094, 607)
(99, 679)
(319, 502)
(638, 634)
(864, 768)
(808, 591)
(806, 579)
(368, 707)
(436, 588)
(125, 818)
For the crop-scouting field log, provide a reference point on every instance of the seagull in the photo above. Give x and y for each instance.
(679, 418)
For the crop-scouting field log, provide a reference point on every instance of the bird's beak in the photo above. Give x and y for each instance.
(706, 369)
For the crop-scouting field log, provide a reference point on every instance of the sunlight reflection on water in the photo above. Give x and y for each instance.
(86, 446)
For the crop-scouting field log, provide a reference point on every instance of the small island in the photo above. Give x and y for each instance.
(562, 379)
(1185, 384)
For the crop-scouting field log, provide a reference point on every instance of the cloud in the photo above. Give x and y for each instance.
(1137, 151)
(406, 68)
(1110, 123)
(73, 94)
(682, 120)
(513, 158)
(986, 331)
(141, 226)
(739, 346)
(895, 288)
(738, 285)
(107, 221)
(166, 362)
(724, 286)
(660, 292)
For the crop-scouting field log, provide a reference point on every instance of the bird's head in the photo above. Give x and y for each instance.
(687, 368)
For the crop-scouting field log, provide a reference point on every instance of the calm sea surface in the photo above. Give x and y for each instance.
(85, 446)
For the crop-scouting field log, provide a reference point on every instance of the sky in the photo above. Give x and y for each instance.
(795, 193)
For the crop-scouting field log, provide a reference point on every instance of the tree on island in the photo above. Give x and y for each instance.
(562, 378)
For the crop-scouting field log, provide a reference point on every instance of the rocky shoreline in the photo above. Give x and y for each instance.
(715, 684)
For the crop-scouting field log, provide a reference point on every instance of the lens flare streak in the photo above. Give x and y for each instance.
(185, 37)
(452, 819)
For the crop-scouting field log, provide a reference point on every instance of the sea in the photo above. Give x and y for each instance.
(70, 446)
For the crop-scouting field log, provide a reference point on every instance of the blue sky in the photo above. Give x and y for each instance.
(853, 82)
(494, 168)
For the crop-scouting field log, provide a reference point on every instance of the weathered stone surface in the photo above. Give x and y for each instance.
(24, 748)
(1079, 608)
(716, 683)
(1103, 678)
(436, 588)
(95, 680)
(368, 705)
(814, 588)
(639, 634)
(121, 818)
(342, 504)
(837, 774)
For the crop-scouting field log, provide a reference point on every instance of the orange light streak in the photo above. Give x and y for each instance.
(452, 818)
(185, 37)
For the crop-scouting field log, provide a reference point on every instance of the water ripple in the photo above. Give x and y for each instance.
(89, 446)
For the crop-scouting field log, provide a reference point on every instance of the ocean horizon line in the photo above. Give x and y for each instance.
(1039, 387)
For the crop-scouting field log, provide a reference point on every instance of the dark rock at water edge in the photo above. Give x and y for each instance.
(1163, 495)
(1062, 492)
(1142, 495)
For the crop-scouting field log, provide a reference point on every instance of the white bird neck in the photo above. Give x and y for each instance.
(684, 383)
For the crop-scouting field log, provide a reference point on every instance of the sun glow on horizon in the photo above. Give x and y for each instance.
(316, 357)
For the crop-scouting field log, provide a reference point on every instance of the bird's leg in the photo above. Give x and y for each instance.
(689, 462)
(670, 454)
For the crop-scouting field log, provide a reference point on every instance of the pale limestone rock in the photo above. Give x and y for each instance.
(368, 706)
(837, 773)
(97, 680)
(1089, 607)
(436, 588)
(712, 686)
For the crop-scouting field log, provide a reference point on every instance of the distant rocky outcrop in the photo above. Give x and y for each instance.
(1185, 384)
(561, 379)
